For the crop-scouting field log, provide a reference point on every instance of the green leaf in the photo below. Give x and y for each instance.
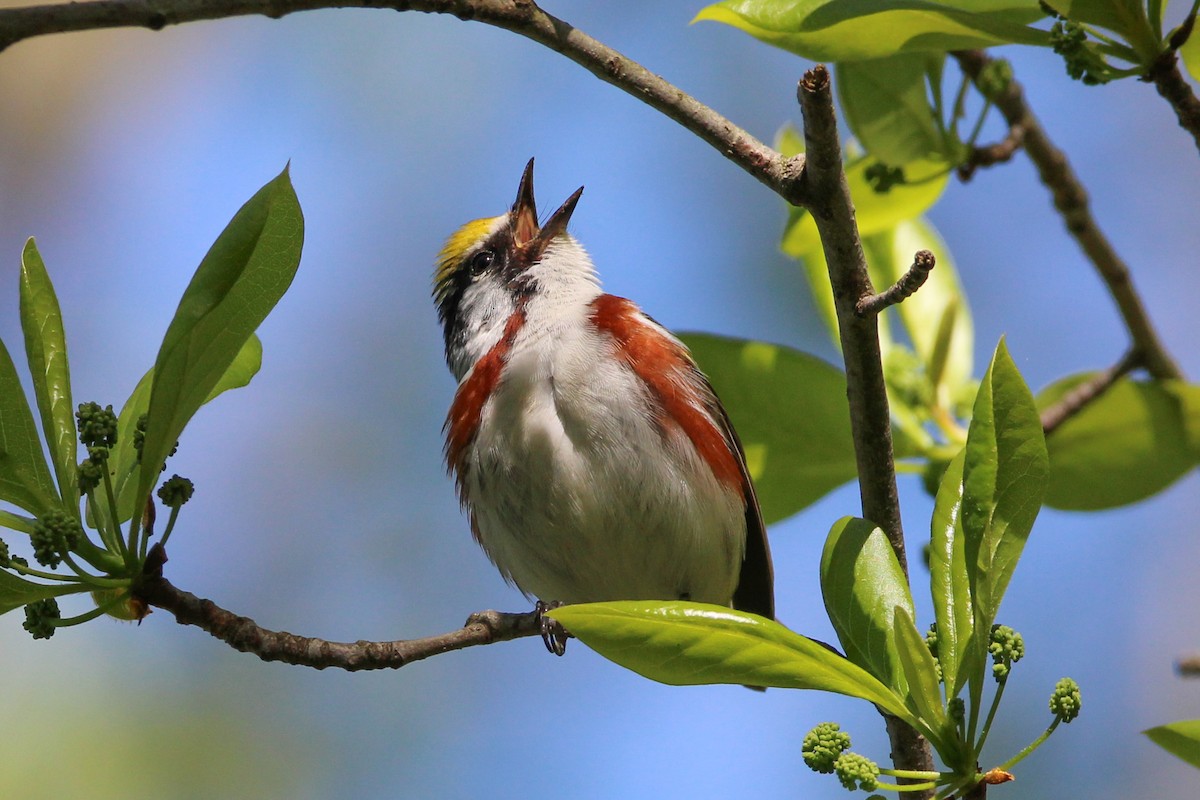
(1190, 53)
(123, 462)
(863, 585)
(949, 582)
(874, 212)
(789, 141)
(853, 30)
(1126, 18)
(684, 644)
(920, 670)
(1181, 739)
(17, 592)
(16, 522)
(1130, 443)
(789, 410)
(937, 317)
(46, 351)
(1005, 469)
(816, 270)
(240, 280)
(24, 477)
(886, 104)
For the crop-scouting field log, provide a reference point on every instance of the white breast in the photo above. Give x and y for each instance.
(576, 493)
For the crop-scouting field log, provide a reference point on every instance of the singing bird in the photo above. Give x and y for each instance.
(592, 455)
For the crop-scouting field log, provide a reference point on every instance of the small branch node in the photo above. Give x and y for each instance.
(910, 281)
(989, 155)
(815, 80)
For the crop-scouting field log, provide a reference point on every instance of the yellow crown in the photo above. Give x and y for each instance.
(452, 253)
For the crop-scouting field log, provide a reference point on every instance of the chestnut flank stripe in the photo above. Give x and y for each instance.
(463, 420)
(663, 366)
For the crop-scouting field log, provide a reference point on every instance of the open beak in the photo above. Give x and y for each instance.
(526, 232)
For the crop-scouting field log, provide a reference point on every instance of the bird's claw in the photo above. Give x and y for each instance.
(554, 635)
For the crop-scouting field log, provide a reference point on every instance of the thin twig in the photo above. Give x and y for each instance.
(870, 419)
(1071, 200)
(244, 634)
(781, 175)
(1074, 401)
(991, 154)
(914, 278)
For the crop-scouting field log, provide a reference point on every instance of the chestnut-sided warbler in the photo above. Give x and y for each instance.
(593, 457)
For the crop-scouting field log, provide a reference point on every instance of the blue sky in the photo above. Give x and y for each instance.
(322, 505)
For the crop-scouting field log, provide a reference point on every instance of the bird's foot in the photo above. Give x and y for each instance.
(553, 633)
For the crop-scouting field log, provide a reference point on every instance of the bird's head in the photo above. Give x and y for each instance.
(493, 267)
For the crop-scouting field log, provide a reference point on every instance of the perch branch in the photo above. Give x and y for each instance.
(1071, 200)
(1074, 401)
(781, 175)
(909, 282)
(870, 419)
(245, 635)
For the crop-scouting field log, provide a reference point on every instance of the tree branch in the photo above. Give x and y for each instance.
(781, 175)
(870, 418)
(244, 634)
(1074, 401)
(1169, 81)
(1071, 200)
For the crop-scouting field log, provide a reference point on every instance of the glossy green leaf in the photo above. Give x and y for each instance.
(24, 477)
(17, 592)
(937, 318)
(1128, 444)
(16, 522)
(789, 409)
(949, 582)
(240, 280)
(1005, 469)
(920, 670)
(123, 462)
(46, 351)
(862, 584)
(685, 644)
(886, 104)
(874, 212)
(1181, 739)
(853, 30)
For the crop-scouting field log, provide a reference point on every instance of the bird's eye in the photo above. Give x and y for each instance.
(481, 261)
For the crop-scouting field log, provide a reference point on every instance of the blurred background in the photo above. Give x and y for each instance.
(322, 503)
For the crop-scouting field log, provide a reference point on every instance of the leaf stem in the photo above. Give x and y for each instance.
(1034, 745)
(991, 715)
(905, 787)
(170, 525)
